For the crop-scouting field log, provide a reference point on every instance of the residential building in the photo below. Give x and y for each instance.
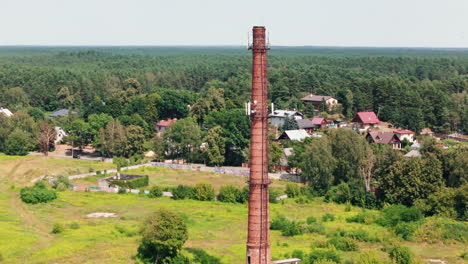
(5, 112)
(298, 134)
(319, 123)
(278, 117)
(60, 134)
(365, 120)
(306, 124)
(405, 134)
(318, 100)
(162, 125)
(427, 132)
(62, 112)
(384, 137)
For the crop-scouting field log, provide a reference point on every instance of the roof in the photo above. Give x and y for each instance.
(285, 113)
(406, 131)
(316, 98)
(383, 137)
(413, 153)
(305, 123)
(416, 145)
(298, 134)
(366, 118)
(318, 120)
(288, 151)
(167, 122)
(5, 112)
(287, 261)
(62, 112)
(426, 131)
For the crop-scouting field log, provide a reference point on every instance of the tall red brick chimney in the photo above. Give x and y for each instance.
(258, 239)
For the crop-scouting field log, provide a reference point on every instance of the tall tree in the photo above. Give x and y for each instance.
(46, 137)
(181, 138)
(215, 147)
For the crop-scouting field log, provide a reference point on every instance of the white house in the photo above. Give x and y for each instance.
(5, 112)
(405, 134)
(60, 134)
(278, 117)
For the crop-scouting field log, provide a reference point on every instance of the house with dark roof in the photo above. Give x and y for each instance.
(384, 137)
(162, 125)
(318, 100)
(365, 120)
(62, 112)
(306, 124)
(319, 123)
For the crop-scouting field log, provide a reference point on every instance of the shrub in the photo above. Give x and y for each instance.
(311, 220)
(133, 183)
(122, 191)
(18, 143)
(343, 243)
(204, 192)
(74, 225)
(370, 257)
(292, 190)
(61, 183)
(298, 254)
(302, 200)
(181, 259)
(37, 194)
(279, 222)
(364, 217)
(292, 228)
(315, 228)
(57, 228)
(360, 235)
(394, 214)
(323, 254)
(155, 191)
(347, 207)
(328, 217)
(401, 255)
(183, 192)
(230, 194)
(200, 256)
(405, 230)
(324, 261)
(273, 194)
(339, 194)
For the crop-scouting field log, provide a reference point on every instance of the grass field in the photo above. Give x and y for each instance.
(217, 228)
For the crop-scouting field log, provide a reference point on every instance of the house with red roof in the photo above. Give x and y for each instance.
(405, 134)
(319, 123)
(384, 137)
(365, 120)
(163, 124)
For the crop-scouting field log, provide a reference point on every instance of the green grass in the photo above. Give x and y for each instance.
(217, 228)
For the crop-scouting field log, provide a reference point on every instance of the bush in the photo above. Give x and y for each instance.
(273, 194)
(298, 254)
(343, 243)
(279, 222)
(328, 217)
(405, 230)
(401, 255)
(323, 254)
(183, 192)
(180, 259)
(37, 194)
(311, 220)
(364, 217)
(230, 194)
(394, 214)
(122, 191)
(370, 257)
(133, 183)
(292, 190)
(74, 225)
(204, 192)
(200, 256)
(360, 235)
(57, 229)
(339, 194)
(292, 228)
(315, 228)
(155, 191)
(61, 183)
(18, 143)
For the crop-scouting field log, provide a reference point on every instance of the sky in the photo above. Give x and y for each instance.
(364, 23)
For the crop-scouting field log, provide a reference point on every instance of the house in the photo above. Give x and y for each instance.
(365, 120)
(413, 154)
(427, 132)
(163, 124)
(5, 112)
(60, 134)
(384, 137)
(319, 123)
(278, 117)
(62, 112)
(298, 134)
(405, 134)
(306, 124)
(318, 100)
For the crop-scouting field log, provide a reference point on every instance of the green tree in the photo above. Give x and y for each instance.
(154, 102)
(215, 147)
(211, 100)
(64, 97)
(318, 165)
(15, 98)
(18, 143)
(131, 88)
(78, 133)
(98, 121)
(412, 179)
(181, 138)
(290, 124)
(163, 235)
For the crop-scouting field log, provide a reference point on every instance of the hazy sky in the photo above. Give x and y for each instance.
(382, 23)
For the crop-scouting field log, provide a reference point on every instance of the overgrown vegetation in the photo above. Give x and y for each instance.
(37, 194)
